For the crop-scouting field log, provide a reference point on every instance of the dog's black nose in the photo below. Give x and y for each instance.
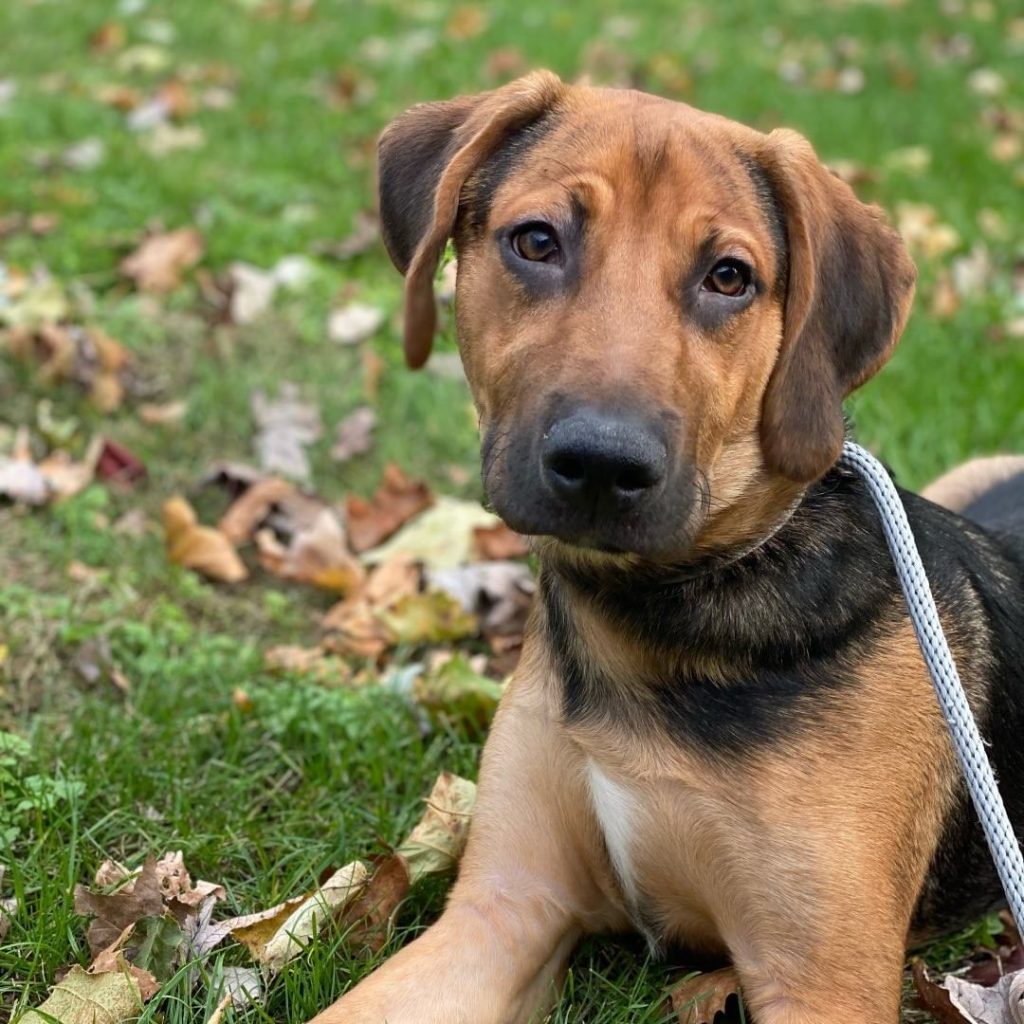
(598, 460)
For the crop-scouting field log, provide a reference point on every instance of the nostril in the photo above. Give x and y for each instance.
(635, 478)
(567, 466)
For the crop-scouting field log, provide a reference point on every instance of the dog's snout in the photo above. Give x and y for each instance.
(592, 458)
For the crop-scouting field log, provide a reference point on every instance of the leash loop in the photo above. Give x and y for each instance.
(967, 741)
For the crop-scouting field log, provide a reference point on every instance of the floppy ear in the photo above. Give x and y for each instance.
(850, 285)
(424, 158)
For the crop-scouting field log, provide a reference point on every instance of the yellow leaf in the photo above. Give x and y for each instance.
(83, 998)
(197, 547)
(435, 845)
(307, 920)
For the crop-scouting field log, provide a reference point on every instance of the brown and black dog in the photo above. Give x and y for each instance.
(721, 732)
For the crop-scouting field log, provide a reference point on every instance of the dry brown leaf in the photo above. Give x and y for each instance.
(397, 500)
(254, 931)
(498, 543)
(369, 919)
(697, 1000)
(201, 548)
(317, 555)
(1001, 1003)
(158, 263)
(249, 511)
(354, 629)
(114, 912)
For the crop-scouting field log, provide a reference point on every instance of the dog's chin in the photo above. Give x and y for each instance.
(623, 542)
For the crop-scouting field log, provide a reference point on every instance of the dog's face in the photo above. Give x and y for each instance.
(659, 310)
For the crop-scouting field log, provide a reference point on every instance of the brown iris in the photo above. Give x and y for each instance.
(535, 242)
(728, 277)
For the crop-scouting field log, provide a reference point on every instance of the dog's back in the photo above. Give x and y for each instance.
(987, 494)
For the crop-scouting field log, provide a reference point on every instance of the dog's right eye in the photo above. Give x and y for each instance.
(536, 243)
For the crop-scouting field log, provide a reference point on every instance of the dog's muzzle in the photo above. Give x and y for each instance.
(597, 478)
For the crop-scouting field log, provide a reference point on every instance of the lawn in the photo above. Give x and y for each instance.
(264, 781)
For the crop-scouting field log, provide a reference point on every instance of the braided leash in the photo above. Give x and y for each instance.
(967, 741)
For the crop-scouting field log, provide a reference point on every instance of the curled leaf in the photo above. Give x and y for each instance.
(197, 547)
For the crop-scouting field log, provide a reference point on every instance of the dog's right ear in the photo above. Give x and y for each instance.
(424, 158)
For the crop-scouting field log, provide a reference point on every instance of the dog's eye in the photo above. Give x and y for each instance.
(537, 243)
(728, 277)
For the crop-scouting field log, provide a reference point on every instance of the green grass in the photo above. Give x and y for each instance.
(264, 800)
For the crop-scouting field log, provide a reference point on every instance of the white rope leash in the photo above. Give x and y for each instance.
(970, 748)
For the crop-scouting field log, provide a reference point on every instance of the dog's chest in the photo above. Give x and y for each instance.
(663, 842)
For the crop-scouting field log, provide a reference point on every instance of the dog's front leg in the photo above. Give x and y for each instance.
(528, 887)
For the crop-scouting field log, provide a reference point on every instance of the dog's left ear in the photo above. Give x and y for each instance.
(848, 295)
(424, 158)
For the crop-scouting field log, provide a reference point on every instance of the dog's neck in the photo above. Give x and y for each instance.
(797, 600)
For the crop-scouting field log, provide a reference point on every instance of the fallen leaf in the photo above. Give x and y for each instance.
(197, 547)
(934, 998)
(1002, 1003)
(21, 481)
(241, 986)
(117, 464)
(8, 908)
(435, 845)
(176, 883)
(249, 511)
(252, 930)
(396, 501)
(441, 537)
(354, 434)
(498, 543)
(499, 593)
(698, 999)
(86, 155)
(457, 692)
(158, 263)
(354, 323)
(922, 230)
(251, 292)
(430, 618)
(466, 22)
(317, 555)
(116, 911)
(311, 916)
(355, 629)
(369, 919)
(109, 36)
(325, 668)
(154, 415)
(285, 427)
(83, 998)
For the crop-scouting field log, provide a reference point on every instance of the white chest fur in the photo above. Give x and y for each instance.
(616, 809)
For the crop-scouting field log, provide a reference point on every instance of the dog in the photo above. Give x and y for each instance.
(721, 733)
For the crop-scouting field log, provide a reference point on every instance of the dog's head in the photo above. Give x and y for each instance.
(660, 311)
